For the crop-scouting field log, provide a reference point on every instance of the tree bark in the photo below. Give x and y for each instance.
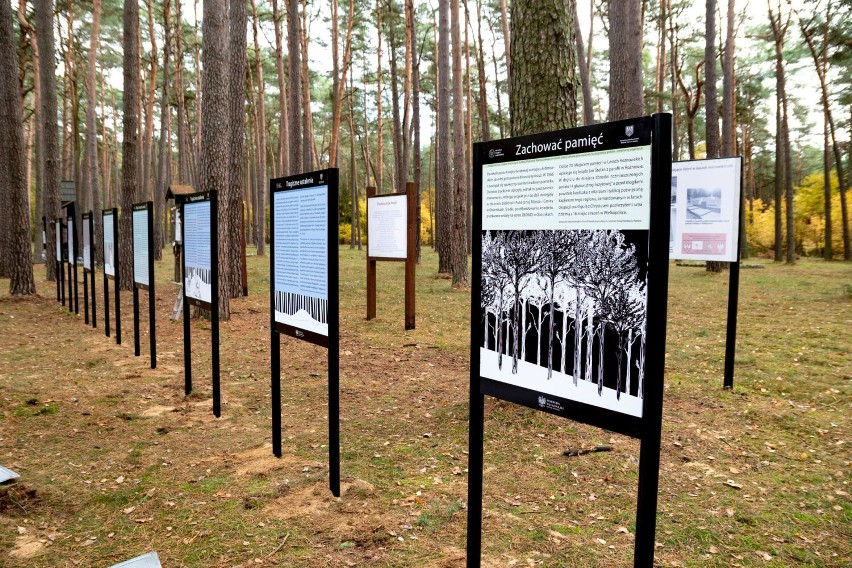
(164, 162)
(147, 184)
(543, 94)
(295, 94)
(231, 241)
(459, 236)
(711, 110)
(415, 120)
(583, 68)
(729, 146)
(443, 182)
(260, 236)
(625, 52)
(380, 147)
(283, 163)
(19, 264)
(90, 175)
(49, 156)
(130, 141)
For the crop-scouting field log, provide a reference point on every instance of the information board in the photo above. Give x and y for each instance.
(58, 244)
(705, 209)
(300, 257)
(141, 250)
(70, 238)
(565, 228)
(109, 243)
(387, 226)
(87, 244)
(197, 251)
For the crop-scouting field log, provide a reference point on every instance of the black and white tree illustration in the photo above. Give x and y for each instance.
(569, 307)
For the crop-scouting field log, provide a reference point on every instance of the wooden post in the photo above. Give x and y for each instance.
(411, 254)
(371, 266)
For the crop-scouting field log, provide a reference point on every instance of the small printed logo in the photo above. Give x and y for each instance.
(495, 153)
(491, 153)
(320, 177)
(628, 131)
(542, 402)
(299, 333)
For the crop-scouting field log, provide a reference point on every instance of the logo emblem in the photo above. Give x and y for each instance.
(628, 131)
(542, 401)
(491, 153)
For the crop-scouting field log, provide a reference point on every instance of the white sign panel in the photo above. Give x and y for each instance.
(567, 234)
(109, 245)
(387, 226)
(58, 241)
(705, 209)
(301, 258)
(140, 247)
(87, 244)
(70, 236)
(197, 282)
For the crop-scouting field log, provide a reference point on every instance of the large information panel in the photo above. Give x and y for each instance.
(197, 251)
(571, 232)
(300, 254)
(565, 228)
(387, 226)
(87, 242)
(109, 243)
(705, 209)
(141, 249)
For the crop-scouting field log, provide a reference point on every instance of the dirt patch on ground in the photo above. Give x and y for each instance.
(27, 546)
(16, 499)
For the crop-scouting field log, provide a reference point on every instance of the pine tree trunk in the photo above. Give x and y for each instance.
(543, 94)
(625, 53)
(130, 141)
(443, 182)
(164, 170)
(415, 122)
(396, 125)
(711, 109)
(380, 147)
(283, 163)
(295, 94)
(16, 209)
(459, 236)
(231, 240)
(90, 175)
(49, 156)
(260, 237)
(583, 68)
(147, 186)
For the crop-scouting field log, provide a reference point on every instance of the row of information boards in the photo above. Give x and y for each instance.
(594, 212)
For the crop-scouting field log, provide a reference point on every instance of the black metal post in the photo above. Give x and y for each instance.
(106, 304)
(92, 271)
(187, 338)
(85, 290)
(733, 307)
(136, 349)
(152, 294)
(276, 390)
(658, 279)
(214, 305)
(333, 341)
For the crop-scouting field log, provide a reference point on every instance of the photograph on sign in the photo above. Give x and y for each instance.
(563, 301)
(109, 245)
(140, 247)
(387, 226)
(301, 258)
(69, 236)
(87, 244)
(197, 252)
(58, 243)
(705, 209)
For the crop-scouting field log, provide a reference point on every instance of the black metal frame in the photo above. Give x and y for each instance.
(213, 306)
(60, 271)
(89, 273)
(71, 240)
(148, 207)
(328, 177)
(114, 215)
(648, 427)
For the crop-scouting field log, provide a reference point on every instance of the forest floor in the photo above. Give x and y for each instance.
(115, 461)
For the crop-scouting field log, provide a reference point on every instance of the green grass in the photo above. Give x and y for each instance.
(205, 492)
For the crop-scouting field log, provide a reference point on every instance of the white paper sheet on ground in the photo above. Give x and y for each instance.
(534, 378)
(149, 560)
(6, 474)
